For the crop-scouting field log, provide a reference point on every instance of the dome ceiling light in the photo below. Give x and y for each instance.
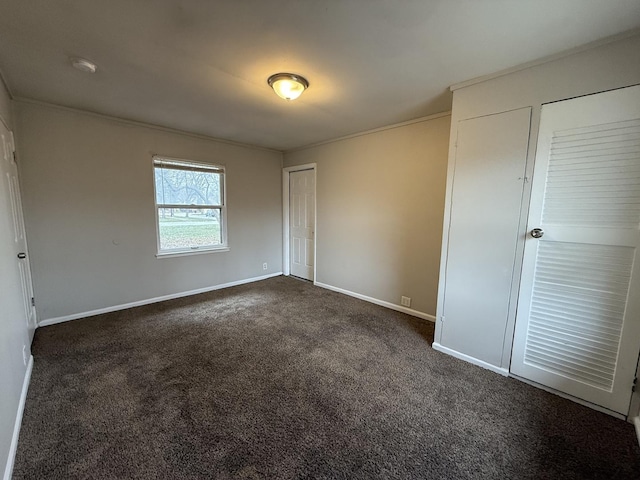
(83, 65)
(288, 85)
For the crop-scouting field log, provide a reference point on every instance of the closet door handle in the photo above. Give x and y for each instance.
(537, 233)
(22, 255)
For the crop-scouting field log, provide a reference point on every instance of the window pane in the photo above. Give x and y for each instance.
(189, 227)
(183, 187)
(158, 174)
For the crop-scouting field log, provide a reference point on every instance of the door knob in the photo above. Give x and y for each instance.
(537, 233)
(22, 255)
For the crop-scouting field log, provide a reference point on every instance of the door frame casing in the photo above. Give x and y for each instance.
(286, 173)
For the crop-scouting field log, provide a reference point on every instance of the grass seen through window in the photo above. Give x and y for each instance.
(195, 230)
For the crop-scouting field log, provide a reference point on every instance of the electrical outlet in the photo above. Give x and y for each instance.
(405, 301)
(264, 266)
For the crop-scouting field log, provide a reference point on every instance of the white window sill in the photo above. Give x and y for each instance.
(198, 251)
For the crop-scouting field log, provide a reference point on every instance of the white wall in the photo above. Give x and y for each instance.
(14, 335)
(380, 198)
(610, 66)
(89, 209)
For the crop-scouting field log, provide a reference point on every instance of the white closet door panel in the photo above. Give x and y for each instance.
(578, 323)
(487, 194)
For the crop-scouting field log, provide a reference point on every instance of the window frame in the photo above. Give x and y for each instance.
(194, 250)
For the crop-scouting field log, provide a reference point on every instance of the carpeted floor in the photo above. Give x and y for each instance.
(283, 380)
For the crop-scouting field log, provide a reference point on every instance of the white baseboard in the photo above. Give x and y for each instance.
(480, 363)
(636, 422)
(8, 471)
(124, 306)
(382, 303)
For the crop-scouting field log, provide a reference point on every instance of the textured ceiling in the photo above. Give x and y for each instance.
(202, 66)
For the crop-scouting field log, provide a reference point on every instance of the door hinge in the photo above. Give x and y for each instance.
(33, 301)
(635, 384)
(14, 157)
(442, 318)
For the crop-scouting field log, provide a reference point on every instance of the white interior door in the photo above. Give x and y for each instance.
(578, 321)
(302, 208)
(14, 242)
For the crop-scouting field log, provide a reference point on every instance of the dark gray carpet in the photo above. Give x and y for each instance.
(282, 380)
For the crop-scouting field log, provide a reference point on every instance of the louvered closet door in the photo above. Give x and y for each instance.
(578, 321)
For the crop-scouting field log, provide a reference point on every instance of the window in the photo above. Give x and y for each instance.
(190, 206)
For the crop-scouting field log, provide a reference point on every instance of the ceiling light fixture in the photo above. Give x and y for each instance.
(288, 85)
(83, 65)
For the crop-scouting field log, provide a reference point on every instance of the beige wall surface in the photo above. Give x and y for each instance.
(5, 105)
(380, 200)
(90, 216)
